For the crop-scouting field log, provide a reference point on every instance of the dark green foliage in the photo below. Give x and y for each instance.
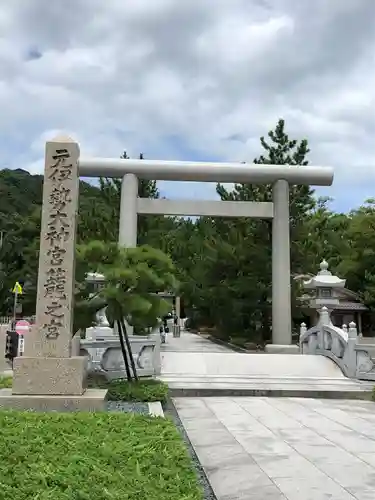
(20, 211)
(133, 277)
(232, 260)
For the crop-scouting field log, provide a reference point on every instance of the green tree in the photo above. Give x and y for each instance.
(357, 258)
(103, 218)
(132, 279)
(240, 272)
(324, 235)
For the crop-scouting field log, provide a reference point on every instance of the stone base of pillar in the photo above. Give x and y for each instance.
(282, 349)
(90, 400)
(49, 376)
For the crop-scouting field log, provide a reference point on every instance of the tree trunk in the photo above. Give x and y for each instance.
(123, 349)
(129, 349)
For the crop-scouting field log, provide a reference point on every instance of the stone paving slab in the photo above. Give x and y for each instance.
(283, 448)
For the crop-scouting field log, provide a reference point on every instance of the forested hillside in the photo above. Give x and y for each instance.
(224, 265)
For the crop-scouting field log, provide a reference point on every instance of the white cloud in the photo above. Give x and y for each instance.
(190, 80)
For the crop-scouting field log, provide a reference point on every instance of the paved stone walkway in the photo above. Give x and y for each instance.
(190, 342)
(283, 448)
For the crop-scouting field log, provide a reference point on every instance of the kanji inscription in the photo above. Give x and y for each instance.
(54, 311)
(58, 231)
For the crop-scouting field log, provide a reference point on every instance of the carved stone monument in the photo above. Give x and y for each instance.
(48, 376)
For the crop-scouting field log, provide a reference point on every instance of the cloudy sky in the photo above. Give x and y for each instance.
(191, 79)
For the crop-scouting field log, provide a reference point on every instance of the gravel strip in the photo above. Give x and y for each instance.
(170, 411)
(140, 408)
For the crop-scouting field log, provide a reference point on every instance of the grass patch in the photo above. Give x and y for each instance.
(6, 382)
(93, 456)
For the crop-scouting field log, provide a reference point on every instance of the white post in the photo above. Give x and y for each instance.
(128, 211)
(281, 291)
(360, 333)
(156, 360)
(302, 331)
(350, 354)
(128, 218)
(178, 309)
(15, 308)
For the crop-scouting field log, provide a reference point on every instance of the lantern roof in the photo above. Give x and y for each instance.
(94, 277)
(324, 279)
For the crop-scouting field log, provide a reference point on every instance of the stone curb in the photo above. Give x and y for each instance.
(156, 409)
(230, 346)
(269, 393)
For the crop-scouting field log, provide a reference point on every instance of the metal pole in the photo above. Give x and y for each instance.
(15, 308)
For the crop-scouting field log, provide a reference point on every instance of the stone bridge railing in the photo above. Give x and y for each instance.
(105, 356)
(339, 344)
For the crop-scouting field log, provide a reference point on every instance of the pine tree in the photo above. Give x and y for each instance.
(254, 237)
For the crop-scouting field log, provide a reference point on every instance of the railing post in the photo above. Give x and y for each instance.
(302, 331)
(350, 355)
(156, 360)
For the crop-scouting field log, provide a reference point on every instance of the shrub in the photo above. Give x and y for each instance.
(6, 382)
(145, 390)
(239, 341)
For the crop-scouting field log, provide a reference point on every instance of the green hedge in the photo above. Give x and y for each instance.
(143, 390)
(147, 390)
(5, 382)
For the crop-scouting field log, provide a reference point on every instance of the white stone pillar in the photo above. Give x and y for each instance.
(281, 288)
(128, 211)
(360, 333)
(178, 307)
(128, 218)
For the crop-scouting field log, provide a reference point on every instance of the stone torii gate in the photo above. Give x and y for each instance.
(280, 176)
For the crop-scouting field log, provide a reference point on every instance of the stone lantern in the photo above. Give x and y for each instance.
(326, 287)
(102, 329)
